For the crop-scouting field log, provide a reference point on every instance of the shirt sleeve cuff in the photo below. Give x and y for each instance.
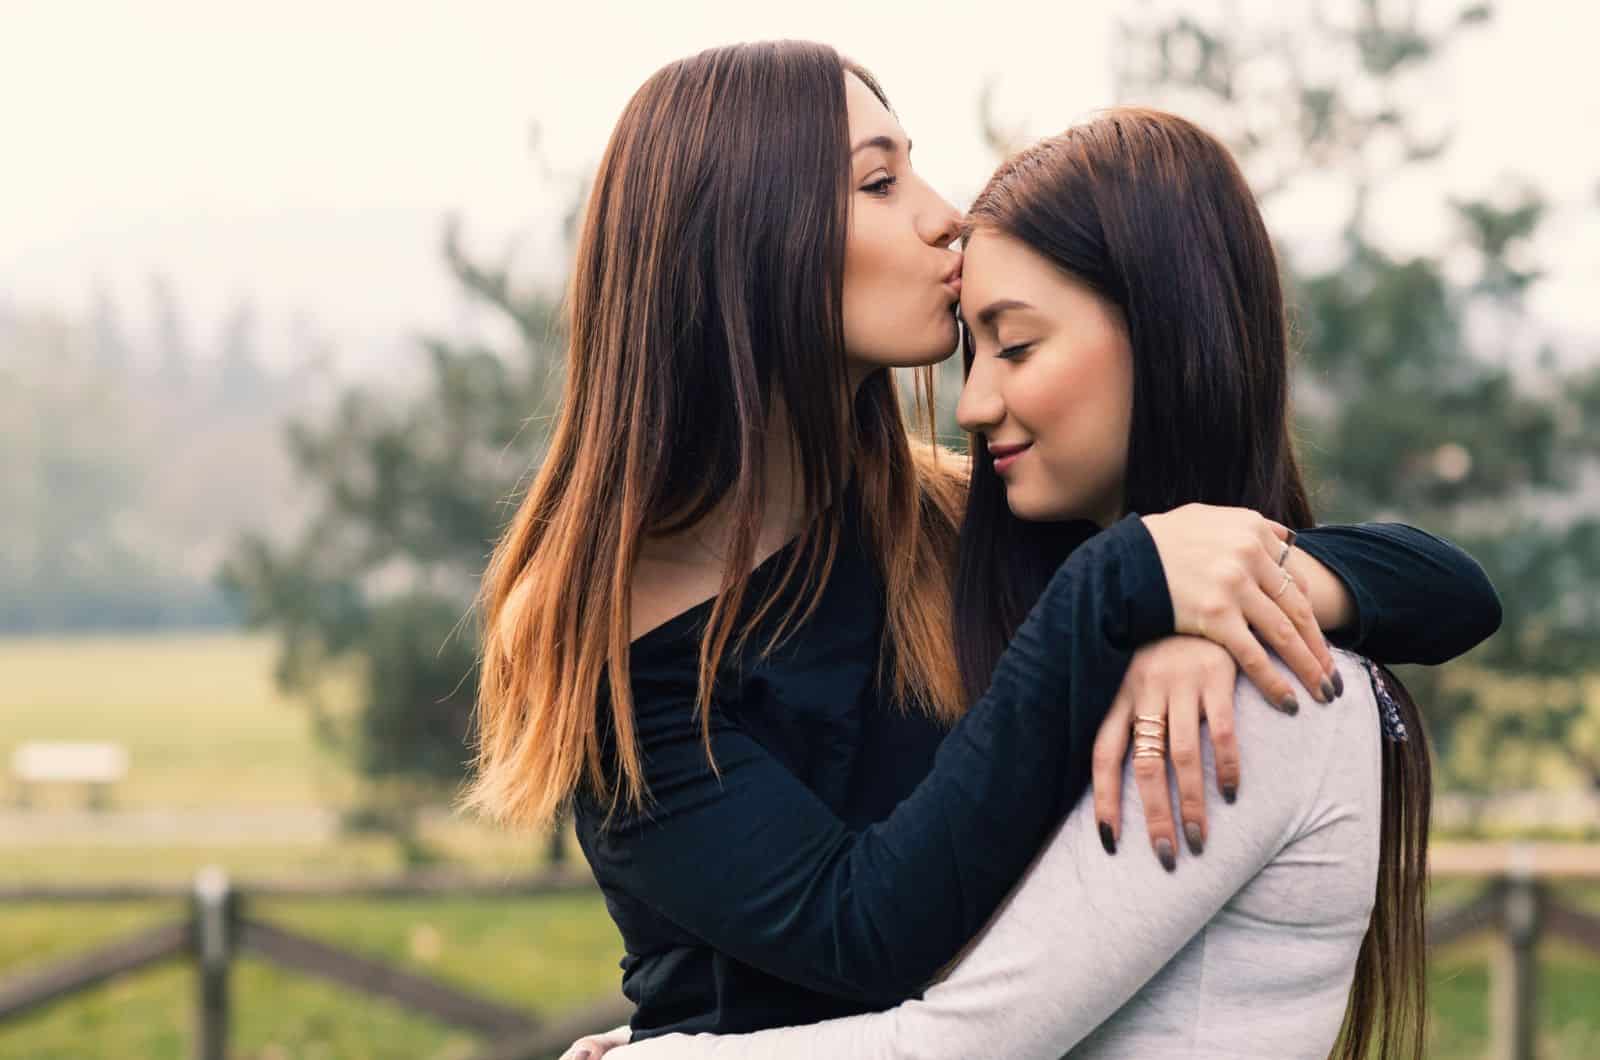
(1148, 600)
(1322, 545)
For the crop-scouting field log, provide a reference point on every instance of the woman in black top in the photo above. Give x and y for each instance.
(789, 808)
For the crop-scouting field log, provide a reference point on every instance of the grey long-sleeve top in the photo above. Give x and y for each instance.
(1246, 951)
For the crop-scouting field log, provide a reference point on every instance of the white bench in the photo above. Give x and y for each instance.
(95, 765)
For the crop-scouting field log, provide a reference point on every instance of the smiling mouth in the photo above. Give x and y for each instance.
(1006, 455)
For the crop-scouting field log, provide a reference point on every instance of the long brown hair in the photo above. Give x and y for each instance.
(705, 302)
(1152, 213)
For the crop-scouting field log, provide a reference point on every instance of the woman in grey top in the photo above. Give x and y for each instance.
(1100, 265)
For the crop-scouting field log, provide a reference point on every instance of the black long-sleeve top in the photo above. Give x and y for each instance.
(850, 847)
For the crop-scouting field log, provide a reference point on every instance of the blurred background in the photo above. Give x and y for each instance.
(279, 343)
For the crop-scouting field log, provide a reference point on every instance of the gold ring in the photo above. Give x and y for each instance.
(1285, 586)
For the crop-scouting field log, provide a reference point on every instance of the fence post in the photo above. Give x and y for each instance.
(1516, 966)
(214, 909)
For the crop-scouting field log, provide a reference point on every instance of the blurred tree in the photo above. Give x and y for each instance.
(409, 496)
(173, 354)
(111, 348)
(239, 375)
(1424, 392)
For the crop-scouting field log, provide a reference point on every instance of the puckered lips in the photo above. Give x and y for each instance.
(952, 279)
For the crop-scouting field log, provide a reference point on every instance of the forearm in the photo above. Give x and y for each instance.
(1083, 932)
(1331, 602)
(750, 862)
(1412, 597)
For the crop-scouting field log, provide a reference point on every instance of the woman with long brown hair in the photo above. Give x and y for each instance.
(1129, 352)
(718, 627)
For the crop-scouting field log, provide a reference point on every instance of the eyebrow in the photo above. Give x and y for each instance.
(986, 316)
(887, 143)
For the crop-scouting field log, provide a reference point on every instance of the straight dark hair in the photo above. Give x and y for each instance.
(1152, 214)
(706, 296)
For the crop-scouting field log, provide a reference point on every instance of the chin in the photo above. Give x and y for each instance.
(1026, 508)
(940, 347)
(1035, 506)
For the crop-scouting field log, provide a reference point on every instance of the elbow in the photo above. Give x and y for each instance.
(1476, 614)
(886, 972)
(887, 984)
(1482, 608)
(1493, 614)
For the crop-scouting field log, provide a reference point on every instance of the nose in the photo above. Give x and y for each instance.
(940, 224)
(980, 408)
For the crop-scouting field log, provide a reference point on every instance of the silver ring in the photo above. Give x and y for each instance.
(1285, 586)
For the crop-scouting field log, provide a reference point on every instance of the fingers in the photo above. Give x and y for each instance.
(1290, 598)
(1183, 746)
(1277, 629)
(590, 1048)
(1150, 775)
(1277, 532)
(1216, 704)
(1232, 632)
(1110, 744)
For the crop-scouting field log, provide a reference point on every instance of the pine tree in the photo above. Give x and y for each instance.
(410, 495)
(1425, 396)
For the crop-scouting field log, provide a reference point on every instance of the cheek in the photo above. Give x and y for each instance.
(1078, 414)
(868, 267)
(892, 310)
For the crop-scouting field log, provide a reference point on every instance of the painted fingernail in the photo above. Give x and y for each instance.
(1107, 840)
(1338, 683)
(1327, 690)
(1169, 860)
(1191, 832)
(1288, 704)
(1291, 537)
(1229, 793)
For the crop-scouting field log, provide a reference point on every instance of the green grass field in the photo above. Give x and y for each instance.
(548, 955)
(198, 714)
(206, 729)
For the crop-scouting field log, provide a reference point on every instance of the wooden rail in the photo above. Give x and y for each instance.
(216, 932)
(1517, 907)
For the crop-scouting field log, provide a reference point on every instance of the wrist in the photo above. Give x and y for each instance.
(1331, 601)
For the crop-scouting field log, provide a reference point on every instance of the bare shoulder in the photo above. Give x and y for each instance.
(664, 588)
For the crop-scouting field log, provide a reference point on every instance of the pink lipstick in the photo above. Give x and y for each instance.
(1006, 455)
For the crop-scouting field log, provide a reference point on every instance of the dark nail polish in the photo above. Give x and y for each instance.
(1229, 793)
(1169, 860)
(1107, 840)
(1191, 832)
(1327, 690)
(1338, 683)
(1288, 704)
(1292, 536)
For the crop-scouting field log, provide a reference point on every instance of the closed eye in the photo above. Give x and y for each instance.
(1010, 353)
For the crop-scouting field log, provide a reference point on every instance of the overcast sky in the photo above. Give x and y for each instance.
(303, 154)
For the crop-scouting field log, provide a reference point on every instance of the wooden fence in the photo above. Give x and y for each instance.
(1518, 906)
(218, 928)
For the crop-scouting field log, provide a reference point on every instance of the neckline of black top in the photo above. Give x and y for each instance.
(682, 622)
